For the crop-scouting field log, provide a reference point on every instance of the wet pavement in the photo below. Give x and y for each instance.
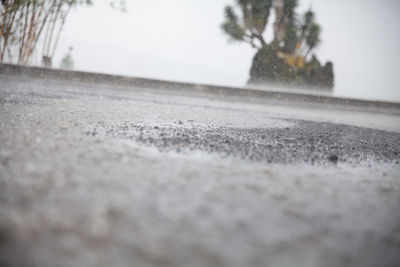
(98, 175)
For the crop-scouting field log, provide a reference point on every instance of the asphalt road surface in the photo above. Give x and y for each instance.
(104, 175)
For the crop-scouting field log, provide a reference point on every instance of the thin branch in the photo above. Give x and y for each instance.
(51, 14)
(30, 34)
(21, 46)
(2, 27)
(35, 33)
(60, 30)
(7, 35)
(54, 22)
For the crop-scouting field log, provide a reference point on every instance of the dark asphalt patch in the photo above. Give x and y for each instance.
(310, 142)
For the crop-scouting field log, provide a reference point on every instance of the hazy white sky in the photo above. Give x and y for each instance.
(181, 40)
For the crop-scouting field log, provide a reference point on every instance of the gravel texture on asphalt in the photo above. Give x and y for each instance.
(309, 142)
(98, 175)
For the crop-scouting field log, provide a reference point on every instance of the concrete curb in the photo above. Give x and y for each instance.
(201, 89)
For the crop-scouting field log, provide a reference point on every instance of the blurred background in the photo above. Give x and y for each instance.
(181, 40)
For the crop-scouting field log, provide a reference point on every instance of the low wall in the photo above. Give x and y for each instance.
(201, 89)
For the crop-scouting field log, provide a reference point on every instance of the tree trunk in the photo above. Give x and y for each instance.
(2, 28)
(54, 22)
(24, 30)
(6, 36)
(35, 34)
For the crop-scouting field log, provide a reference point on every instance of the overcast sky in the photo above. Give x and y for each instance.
(181, 40)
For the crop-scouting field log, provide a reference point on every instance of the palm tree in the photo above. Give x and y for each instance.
(295, 37)
(253, 20)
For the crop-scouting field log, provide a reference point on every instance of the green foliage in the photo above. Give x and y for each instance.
(77, 2)
(231, 25)
(312, 36)
(308, 19)
(289, 7)
(248, 19)
(285, 58)
(252, 23)
(255, 14)
(291, 38)
(267, 67)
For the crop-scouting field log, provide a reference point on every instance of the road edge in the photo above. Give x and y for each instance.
(210, 90)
